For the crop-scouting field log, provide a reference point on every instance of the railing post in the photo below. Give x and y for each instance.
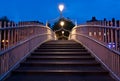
(17, 35)
(116, 39)
(4, 24)
(118, 46)
(115, 23)
(112, 38)
(3, 40)
(94, 33)
(12, 37)
(8, 38)
(105, 35)
(99, 34)
(12, 24)
(8, 24)
(105, 23)
(108, 35)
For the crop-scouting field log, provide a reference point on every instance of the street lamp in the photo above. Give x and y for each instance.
(61, 7)
(62, 23)
(63, 33)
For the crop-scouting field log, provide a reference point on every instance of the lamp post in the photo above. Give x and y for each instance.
(61, 7)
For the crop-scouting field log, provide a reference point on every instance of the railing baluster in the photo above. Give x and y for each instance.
(4, 40)
(111, 38)
(105, 34)
(12, 37)
(8, 39)
(15, 36)
(108, 35)
(116, 39)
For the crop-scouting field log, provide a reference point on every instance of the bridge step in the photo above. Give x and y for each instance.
(64, 72)
(60, 50)
(61, 47)
(60, 53)
(61, 63)
(59, 77)
(62, 44)
(60, 60)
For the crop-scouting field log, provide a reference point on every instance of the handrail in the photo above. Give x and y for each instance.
(10, 36)
(103, 34)
(96, 26)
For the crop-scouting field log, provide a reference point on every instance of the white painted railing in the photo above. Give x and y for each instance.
(103, 42)
(17, 42)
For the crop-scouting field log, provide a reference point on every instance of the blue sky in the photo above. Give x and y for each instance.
(43, 10)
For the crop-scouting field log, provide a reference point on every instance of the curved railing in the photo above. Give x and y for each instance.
(17, 42)
(103, 42)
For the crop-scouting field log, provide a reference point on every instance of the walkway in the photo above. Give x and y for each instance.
(60, 61)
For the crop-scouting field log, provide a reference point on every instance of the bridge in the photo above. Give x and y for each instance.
(33, 53)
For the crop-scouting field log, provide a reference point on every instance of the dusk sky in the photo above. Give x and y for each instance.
(43, 10)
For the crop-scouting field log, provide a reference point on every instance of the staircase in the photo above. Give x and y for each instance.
(60, 61)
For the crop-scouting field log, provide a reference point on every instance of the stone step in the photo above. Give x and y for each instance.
(60, 50)
(63, 67)
(62, 53)
(60, 47)
(58, 77)
(58, 60)
(34, 63)
(70, 72)
(61, 57)
(61, 42)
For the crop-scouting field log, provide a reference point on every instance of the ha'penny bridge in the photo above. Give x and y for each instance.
(33, 53)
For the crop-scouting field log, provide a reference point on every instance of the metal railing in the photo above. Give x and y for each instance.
(103, 42)
(17, 42)
(109, 36)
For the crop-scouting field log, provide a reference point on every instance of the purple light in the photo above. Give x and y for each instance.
(111, 45)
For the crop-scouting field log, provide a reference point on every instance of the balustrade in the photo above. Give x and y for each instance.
(103, 42)
(17, 42)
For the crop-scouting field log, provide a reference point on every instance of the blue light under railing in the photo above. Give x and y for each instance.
(111, 45)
